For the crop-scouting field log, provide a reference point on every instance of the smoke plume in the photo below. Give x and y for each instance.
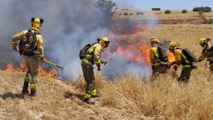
(68, 26)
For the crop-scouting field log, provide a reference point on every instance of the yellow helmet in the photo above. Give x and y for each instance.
(154, 40)
(202, 41)
(104, 41)
(172, 45)
(37, 22)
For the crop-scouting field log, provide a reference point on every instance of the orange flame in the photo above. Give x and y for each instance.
(145, 48)
(41, 72)
(10, 67)
(171, 57)
(132, 47)
(52, 73)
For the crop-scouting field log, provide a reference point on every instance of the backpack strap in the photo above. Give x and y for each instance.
(184, 57)
(89, 51)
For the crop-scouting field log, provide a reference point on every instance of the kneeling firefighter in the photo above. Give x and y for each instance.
(207, 51)
(32, 48)
(93, 56)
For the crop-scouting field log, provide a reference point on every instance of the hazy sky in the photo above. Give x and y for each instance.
(163, 4)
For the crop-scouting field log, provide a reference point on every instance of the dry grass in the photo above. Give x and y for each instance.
(127, 98)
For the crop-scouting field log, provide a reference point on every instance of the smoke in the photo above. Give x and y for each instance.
(131, 35)
(68, 26)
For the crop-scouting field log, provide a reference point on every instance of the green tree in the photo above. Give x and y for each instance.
(108, 8)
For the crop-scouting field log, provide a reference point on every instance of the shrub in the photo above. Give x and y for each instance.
(210, 21)
(167, 12)
(204, 9)
(195, 9)
(184, 11)
(207, 9)
(156, 9)
(140, 13)
(125, 13)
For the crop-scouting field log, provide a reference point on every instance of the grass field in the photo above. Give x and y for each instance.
(126, 98)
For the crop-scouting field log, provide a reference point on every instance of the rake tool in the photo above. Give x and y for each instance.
(53, 64)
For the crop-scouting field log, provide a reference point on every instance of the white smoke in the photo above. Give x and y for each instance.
(68, 26)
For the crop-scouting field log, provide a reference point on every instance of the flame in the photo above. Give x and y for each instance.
(41, 72)
(10, 67)
(132, 47)
(145, 48)
(52, 73)
(171, 57)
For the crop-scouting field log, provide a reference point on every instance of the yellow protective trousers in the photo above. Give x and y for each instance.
(89, 77)
(31, 63)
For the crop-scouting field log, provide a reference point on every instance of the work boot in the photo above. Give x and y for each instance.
(33, 93)
(89, 101)
(96, 95)
(25, 88)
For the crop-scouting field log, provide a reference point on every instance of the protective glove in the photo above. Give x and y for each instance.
(104, 62)
(42, 59)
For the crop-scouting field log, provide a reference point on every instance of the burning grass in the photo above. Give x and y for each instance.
(41, 71)
(126, 97)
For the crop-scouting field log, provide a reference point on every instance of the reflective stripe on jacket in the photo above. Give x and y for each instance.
(180, 58)
(93, 55)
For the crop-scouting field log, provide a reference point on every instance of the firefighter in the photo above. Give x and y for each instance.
(159, 62)
(32, 48)
(93, 56)
(207, 51)
(181, 59)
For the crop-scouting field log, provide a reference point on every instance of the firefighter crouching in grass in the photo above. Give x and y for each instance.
(32, 48)
(185, 58)
(93, 56)
(207, 52)
(159, 61)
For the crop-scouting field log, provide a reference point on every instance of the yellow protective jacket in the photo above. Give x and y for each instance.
(17, 37)
(93, 55)
(154, 56)
(206, 53)
(181, 59)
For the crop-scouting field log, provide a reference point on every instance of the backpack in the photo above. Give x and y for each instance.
(27, 44)
(189, 55)
(162, 56)
(84, 50)
(162, 53)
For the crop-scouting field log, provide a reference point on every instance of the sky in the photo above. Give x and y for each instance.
(163, 4)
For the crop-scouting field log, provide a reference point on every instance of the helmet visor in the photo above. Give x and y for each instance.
(107, 43)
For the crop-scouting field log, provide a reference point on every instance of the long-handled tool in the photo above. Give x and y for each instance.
(107, 59)
(51, 63)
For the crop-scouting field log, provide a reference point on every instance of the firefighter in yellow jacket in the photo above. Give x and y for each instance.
(159, 66)
(32, 48)
(207, 51)
(181, 59)
(93, 56)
